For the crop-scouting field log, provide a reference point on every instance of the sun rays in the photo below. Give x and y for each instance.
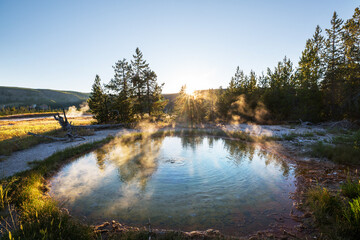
(189, 90)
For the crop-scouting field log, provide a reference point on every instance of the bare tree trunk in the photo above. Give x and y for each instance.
(65, 125)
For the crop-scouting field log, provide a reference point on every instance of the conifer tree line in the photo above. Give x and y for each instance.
(324, 86)
(132, 92)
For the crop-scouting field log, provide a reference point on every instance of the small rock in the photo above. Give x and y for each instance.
(195, 234)
(269, 235)
(307, 215)
(212, 232)
(65, 210)
(300, 227)
(102, 226)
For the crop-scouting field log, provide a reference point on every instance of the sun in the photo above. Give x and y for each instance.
(190, 90)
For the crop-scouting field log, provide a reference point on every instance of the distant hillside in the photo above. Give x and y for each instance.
(14, 96)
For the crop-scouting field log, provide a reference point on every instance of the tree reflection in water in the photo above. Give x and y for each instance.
(137, 161)
(100, 158)
(239, 151)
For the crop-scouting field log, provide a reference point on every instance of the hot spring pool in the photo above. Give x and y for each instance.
(180, 183)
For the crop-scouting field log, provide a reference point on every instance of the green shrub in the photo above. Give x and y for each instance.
(351, 189)
(320, 133)
(324, 205)
(336, 217)
(356, 140)
(308, 135)
(349, 138)
(350, 226)
(353, 215)
(344, 154)
(290, 136)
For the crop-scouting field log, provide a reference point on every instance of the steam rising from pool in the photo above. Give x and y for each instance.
(184, 183)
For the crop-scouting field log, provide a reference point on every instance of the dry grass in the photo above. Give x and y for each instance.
(13, 134)
(11, 129)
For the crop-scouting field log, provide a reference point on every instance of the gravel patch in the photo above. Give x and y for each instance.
(274, 130)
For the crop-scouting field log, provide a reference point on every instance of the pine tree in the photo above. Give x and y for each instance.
(211, 107)
(308, 76)
(139, 69)
(134, 90)
(147, 91)
(263, 81)
(351, 38)
(251, 83)
(158, 102)
(280, 96)
(98, 101)
(150, 85)
(121, 92)
(121, 83)
(239, 81)
(310, 69)
(351, 66)
(334, 57)
(229, 95)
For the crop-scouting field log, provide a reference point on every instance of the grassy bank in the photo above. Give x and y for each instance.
(344, 148)
(337, 214)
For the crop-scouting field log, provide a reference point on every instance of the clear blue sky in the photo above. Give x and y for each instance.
(64, 44)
